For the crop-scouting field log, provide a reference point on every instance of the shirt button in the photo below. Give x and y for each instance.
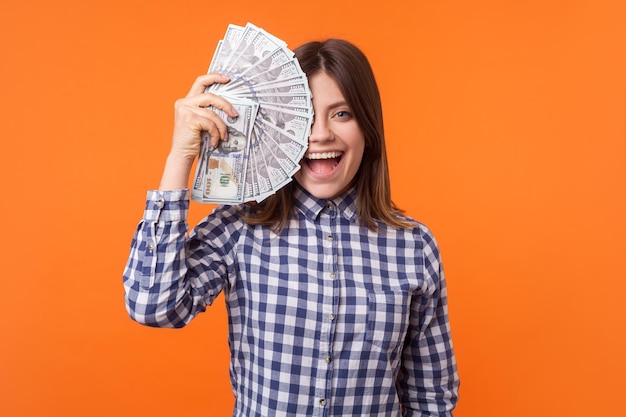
(329, 238)
(331, 317)
(328, 359)
(323, 402)
(151, 245)
(332, 275)
(160, 202)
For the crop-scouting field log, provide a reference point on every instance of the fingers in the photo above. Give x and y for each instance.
(191, 120)
(208, 99)
(203, 81)
(199, 105)
(195, 114)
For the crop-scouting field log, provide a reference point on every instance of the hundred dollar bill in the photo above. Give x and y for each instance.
(221, 171)
(275, 59)
(298, 125)
(291, 109)
(203, 159)
(270, 168)
(281, 72)
(245, 40)
(225, 47)
(251, 187)
(287, 100)
(262, 183)
(293, 148)
(289, 87)
(275, 157)
(254, 45)
(267, 141)
(295, 85)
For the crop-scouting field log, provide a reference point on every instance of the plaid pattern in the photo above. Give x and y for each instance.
(326, 319)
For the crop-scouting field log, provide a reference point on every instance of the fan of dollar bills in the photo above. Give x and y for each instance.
(268, 139)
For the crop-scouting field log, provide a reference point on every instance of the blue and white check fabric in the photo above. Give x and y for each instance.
(326, 319)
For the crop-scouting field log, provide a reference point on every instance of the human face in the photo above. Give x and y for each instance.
(336, 143)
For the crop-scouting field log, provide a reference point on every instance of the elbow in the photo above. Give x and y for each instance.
(152, 317)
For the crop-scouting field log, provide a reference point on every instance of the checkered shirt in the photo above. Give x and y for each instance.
(326, 319)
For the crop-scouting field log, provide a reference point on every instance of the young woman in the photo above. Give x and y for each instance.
(336, 301)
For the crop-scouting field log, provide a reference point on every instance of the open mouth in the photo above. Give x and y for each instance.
(322, 162)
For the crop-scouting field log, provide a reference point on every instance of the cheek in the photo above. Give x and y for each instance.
(358, 150)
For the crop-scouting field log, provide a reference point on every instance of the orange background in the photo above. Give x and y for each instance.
(506, 126)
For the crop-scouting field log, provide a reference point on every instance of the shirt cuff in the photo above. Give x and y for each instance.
(167, 206)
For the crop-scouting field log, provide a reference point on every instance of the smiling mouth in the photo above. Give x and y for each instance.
(322, 162)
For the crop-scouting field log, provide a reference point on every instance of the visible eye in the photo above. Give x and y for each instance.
(343, 114)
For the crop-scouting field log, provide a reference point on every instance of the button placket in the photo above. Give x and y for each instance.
(328, 281)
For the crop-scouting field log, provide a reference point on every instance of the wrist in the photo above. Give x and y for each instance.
(176, 172)
(180, 159)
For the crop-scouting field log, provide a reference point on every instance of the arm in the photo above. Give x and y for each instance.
(428, 381)
(192, 117)
(168, 278)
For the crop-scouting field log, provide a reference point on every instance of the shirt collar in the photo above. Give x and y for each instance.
(312, 206)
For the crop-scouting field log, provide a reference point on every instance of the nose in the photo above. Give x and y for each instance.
(320, 131)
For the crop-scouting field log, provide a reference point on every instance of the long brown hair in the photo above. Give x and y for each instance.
(351, 70)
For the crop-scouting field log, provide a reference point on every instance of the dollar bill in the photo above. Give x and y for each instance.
(266, 142)
(276, 158)
(297, 125)
(254, 45)
(289, 87)
(221, 171)
(281, 72)
(251, 186)
(262, 181)
(287, 100)
(225, 47)
(292, 147)
(275, 59)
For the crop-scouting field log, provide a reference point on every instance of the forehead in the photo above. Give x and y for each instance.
(325, 90)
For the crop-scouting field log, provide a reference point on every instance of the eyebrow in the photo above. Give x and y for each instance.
(337, 104)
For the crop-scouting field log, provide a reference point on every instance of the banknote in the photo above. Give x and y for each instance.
(297, 125)
(254, 45)
(251, 186)
(286, 100)
(281, 72)
(291, 86)
(225, 47)
(238, 40)
(293, 147)
(242, 80)
(273, 171)
(268, 139)
(220, 171)
(261, 181)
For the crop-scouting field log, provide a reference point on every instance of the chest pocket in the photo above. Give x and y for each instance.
(387, 319)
